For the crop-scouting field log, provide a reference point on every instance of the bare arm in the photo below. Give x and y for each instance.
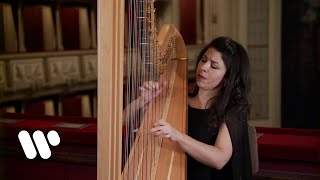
(215, 156)
(130, 109)
(148, 91)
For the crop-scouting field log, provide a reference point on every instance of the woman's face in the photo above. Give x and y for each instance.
(210, 71)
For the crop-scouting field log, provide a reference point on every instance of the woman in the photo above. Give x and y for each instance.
(217, 141)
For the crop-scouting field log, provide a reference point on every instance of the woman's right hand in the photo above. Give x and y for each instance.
(150, 90)
(164, 129)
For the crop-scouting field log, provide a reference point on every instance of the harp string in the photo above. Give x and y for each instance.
(141, 52)
(132, 80)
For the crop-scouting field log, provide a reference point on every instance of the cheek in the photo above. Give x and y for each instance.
(198, 68)
(217, 78)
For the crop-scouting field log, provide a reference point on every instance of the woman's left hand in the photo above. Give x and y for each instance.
(162, 128)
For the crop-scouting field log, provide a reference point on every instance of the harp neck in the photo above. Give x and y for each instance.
(147, 32)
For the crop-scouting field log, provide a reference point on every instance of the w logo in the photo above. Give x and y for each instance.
(40, 142)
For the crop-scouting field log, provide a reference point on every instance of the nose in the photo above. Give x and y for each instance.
(205, 66)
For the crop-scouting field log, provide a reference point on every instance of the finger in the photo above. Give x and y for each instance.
(156, 85)
(152, 84)
(157, 123)
(147, 85)
(164, 85)
(161, 122)
(158, 133)
(142, 89)
(155, 129)
(159, 90)
(167, 135)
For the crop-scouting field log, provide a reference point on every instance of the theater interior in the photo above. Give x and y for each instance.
(49, 79)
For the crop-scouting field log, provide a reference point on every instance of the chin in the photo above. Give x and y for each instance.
(200, 84)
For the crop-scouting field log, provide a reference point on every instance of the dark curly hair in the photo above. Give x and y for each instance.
(232, 101)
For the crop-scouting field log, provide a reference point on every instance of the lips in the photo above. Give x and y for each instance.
(201, 77)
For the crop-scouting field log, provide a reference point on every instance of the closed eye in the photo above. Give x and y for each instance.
(203, 59)
(214, 65)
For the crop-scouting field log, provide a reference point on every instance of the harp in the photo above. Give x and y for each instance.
(144, 157)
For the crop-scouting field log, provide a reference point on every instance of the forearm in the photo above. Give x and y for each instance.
(148, 91)
(132, 108)
(215, 156)
(209, 155)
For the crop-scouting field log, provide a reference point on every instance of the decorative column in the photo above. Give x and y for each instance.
(93, 18)
(58, 29)
(199, 21)
(48, 29)
(22, 47)
(7, 28)
(84, 29)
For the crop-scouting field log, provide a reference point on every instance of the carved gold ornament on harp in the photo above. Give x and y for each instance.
(162, 59)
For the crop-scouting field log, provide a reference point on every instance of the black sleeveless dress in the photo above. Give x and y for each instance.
(198, 129)
(239, 165)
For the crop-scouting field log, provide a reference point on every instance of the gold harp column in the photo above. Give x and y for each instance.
(110, 82)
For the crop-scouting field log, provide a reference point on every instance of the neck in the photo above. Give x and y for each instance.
(204, 96)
